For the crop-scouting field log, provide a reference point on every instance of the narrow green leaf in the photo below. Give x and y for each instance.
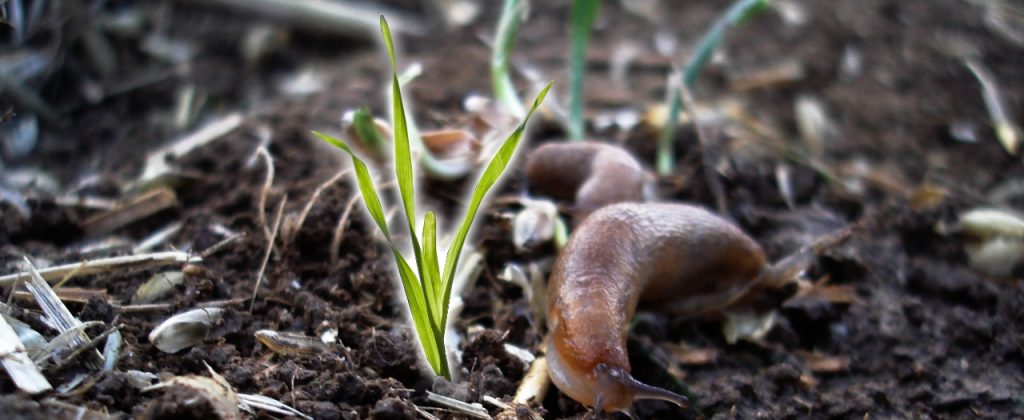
(406, 183)
(365, 182)
(504, 43)
(421, 311)
(487, 179)
(432, 277)
(739, 12)
(366, 129)
(386, 31)
(403, 156)
(581, 21)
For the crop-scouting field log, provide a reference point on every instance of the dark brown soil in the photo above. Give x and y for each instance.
(926, 336)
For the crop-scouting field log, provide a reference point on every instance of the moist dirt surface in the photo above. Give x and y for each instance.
(915, 333)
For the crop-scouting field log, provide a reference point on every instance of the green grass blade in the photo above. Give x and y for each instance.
(403, 156)
(366, 129)
(581, 20)
(432, 277)
(504, 43)
(422, 315)
(487, 179)
(365, 182)
(740, 12)
(404, 177)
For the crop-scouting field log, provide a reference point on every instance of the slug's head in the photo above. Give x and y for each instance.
(606, 387)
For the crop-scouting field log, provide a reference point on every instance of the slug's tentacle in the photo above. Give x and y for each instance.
(611, 379)
(592, 174)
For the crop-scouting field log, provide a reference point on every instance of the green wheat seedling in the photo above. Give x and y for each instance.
(581, 21)
(738, 13)
(428, 288)
(504, 43)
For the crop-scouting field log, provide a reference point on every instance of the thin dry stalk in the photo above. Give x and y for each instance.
(267, 183)
(130, 211)
(19, 366)
(270, 247)
(425, 414)
(333, 17)
(69, 294)
(157, 162)
(312, 200)
(52, 306)
(269, 404)
(103, 265)
(713, 177)
(157, 238)
(474, 410)
(1008, 131)
(95, 203)
(339, 230)
(89, 345)
(68, 277)
(221, 245)
(157, 307)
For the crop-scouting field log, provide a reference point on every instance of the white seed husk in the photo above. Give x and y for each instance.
(158, 286)
(290, 343)
(988, 223)
(184, 330)
(996, 257)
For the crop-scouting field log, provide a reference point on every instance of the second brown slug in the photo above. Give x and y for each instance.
(675, 258)
(592, 174)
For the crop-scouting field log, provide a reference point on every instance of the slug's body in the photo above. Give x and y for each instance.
(592, 174)
(678, 258)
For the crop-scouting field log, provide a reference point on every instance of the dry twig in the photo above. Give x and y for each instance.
(270, 247)
(261, 207)
(713, 176)
(294, 232)
(474, 410)
(130, 211)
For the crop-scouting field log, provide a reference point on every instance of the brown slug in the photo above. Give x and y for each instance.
(675, 258)
(678, 258)
(592, 174)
